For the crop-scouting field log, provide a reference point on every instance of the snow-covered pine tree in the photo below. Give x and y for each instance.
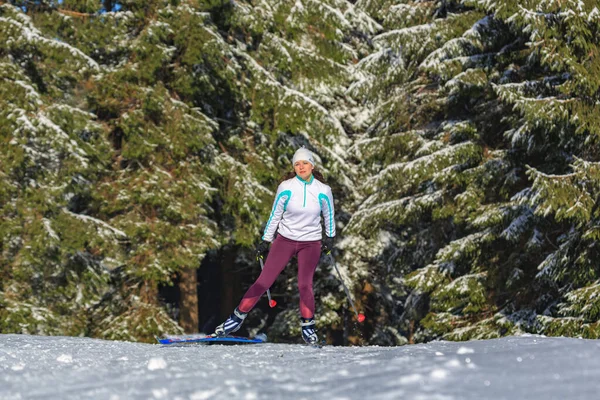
(195, 122)
(52, 153)
(558, 129)
(151, 197)
(138, 140)
(413, 139)
(458, 208)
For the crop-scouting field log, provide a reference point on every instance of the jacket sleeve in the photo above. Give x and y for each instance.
(279, 205)
(326, 203)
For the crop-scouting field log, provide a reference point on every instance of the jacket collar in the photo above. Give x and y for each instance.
(309, 181)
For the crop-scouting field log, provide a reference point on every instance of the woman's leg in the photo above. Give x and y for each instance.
(308, 258)
(281, 251)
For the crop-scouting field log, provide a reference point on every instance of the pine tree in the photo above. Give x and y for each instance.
(459, 137)
(475, 120)
(52, 153)
(193, 124)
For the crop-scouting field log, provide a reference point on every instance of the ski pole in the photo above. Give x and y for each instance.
(360, 317)
(272, 303)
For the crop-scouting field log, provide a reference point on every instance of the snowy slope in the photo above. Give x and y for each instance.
(526, 367)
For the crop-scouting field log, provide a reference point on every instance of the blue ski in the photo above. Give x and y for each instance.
(188, 339)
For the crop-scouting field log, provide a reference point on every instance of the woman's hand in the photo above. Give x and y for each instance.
(327, 244)
(262, 249)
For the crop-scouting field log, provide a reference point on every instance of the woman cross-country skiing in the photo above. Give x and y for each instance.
(296, 216)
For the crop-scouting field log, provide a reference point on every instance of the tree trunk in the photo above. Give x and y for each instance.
(107, 5)
(188, 300)
(411, 331)
(230, 282)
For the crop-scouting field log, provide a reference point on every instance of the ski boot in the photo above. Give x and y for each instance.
(231, 324)
(308, 331)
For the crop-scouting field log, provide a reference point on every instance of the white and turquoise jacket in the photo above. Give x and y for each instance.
(297, 210)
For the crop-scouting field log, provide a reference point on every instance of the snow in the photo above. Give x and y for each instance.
(98, 222)
(33, 35)
(65, 358)
(459, 247)
(334, 14)
(522, 367)
(51, 232)
(518, 226)
(32, 95)
(403, 32)
(157, 363)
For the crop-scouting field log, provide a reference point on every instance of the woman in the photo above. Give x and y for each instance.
(296, 216)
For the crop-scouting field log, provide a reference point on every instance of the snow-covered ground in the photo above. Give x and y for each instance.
(526, 367)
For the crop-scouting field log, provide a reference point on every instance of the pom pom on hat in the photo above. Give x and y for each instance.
(303, 154)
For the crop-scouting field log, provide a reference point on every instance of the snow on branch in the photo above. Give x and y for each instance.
(518, 226)
(464, 248)
(397, 34)
(558, 262)
(415, 171)
(490, 215)
(359, 18)
(584, 302)
(96, 221)
(568, 196)
(395, 212)
(269, 80)
(32, 35)
(428, 278)
(466, 45)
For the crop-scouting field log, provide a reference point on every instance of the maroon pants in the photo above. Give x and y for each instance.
(282, 250)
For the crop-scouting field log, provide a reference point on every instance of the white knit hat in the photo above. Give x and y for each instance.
(303, 154)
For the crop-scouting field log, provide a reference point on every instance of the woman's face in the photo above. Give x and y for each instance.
(303, 169)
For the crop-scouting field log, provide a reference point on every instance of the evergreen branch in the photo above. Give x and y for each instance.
(50, 7)
(547, 16)
(96, 221)
(541, 174)
(75, 13)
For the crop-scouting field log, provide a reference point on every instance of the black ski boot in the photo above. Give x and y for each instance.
(308, 331)
(231, 324)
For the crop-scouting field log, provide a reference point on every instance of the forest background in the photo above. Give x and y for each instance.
(142, 143)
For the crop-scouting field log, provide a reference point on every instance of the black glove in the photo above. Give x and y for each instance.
(262, 249)
(327, 244)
